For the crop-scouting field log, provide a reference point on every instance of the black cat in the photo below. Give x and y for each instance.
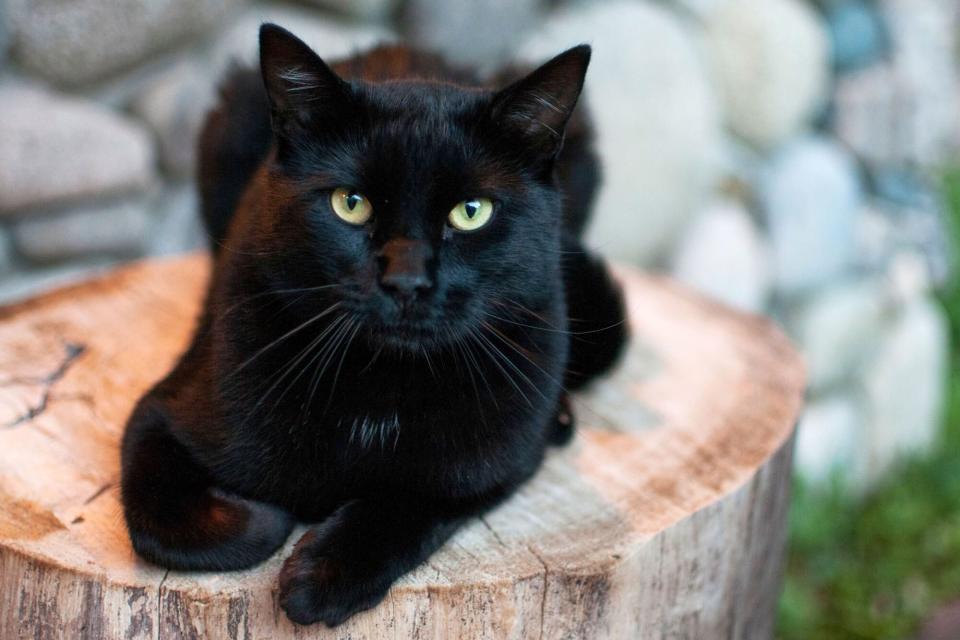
(399, 307)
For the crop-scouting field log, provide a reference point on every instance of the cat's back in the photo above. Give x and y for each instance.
(392, 62)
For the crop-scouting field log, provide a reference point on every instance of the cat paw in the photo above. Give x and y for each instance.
(316, 586)
(564, 422)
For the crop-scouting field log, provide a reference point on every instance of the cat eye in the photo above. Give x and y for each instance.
(470, 215)
(351, 206)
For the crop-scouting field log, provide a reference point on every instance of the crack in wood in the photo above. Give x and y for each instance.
(72, 352)
(99, 492)
(496, 535)
(543, 600)
(159, 604)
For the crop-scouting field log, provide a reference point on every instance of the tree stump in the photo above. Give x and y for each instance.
(664, 518)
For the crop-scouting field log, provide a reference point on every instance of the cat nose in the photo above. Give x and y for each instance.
(403, 266)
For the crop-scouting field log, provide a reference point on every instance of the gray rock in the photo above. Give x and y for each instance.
(176, 102)
(723, 256)
(904, 111)
(330, 38)
(178, 228)
(811, 196)
(911, 246)
(470, 31)
(742, 166)
(865, 115)
(913, 216)
(701, 9)
(23, 285)
(78, 41)
(909, 276)
(658, 127)
(366, 9)
(875, 239)
(174, 106)
(4, 33)
(926, 38)
(829, 438)
(771, 63)
(54, 148)
(904, 386)
(837, 329)
(6, 252)
(858, 34)
(94, 230)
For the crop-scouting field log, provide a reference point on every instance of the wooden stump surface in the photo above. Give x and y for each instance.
(664, 518)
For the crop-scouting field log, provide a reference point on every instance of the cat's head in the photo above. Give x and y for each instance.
(427, 204)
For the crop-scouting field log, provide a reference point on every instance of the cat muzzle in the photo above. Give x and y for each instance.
(404, 267)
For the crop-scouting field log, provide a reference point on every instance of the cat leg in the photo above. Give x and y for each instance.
(176, 517)
(347, 563)
(598, 327)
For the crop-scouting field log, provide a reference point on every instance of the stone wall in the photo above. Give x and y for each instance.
(779, 155)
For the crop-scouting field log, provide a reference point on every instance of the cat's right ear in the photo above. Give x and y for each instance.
(300, 86)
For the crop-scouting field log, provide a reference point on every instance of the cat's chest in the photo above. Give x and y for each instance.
(369, 432)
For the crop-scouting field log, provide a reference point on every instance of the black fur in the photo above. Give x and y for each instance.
(312, 389)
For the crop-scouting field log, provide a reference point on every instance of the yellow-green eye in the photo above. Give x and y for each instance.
(471, 214)
(351, 206)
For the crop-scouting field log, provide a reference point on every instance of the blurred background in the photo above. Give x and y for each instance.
(792, 158)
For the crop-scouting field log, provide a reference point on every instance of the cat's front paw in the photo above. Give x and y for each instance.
(318, 586)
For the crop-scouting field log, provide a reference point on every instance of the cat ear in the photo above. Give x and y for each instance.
(300, 86)
(538, 106)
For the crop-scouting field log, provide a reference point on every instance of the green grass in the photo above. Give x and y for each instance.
(875, 568)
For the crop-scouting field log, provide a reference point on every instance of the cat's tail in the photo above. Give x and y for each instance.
(597, 316)
(235, 139)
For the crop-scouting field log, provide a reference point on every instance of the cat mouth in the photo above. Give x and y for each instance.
(408, 335)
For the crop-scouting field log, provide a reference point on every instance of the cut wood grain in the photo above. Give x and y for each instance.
(664, 518)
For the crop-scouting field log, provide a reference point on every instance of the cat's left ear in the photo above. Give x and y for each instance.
(300, 86)
(538, 106)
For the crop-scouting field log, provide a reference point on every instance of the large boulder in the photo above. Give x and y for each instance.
(905, 384)
(723, 256)
(830, 436)
(72, 42)
(907, 217)
(55, 148)
(925, 38)
(366, 9)
(658, 127)
(858, 34)
(4, 33)
(174, 106)
(6, 252)
(178, 228)
(811, 195)
(175, 103)
(838, 328)
(27, 284)
(771, 62)
(470, 31)
(330, 37)
(118, 228)
(904, 111)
